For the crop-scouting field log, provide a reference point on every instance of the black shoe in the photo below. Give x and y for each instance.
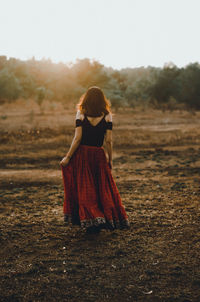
(93, 230)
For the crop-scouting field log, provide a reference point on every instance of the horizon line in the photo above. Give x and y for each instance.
(74, 62)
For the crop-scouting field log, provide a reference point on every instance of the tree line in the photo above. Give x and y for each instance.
(169, 87)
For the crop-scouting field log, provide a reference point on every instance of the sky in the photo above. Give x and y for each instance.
(117, 33)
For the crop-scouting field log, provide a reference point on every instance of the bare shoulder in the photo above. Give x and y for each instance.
(79, 115)
(108, 117)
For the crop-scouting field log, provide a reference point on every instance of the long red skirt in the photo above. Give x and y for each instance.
(91, 197)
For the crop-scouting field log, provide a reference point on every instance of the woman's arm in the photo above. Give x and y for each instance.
(74, 145)
(108, 139)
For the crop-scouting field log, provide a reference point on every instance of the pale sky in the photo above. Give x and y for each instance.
(117, 33)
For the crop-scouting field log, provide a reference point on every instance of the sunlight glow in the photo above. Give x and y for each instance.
(117, 33)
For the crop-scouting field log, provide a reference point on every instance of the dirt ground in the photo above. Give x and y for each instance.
(157, 170)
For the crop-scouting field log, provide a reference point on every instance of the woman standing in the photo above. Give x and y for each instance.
(91, 198)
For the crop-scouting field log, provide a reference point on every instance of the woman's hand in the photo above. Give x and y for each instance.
(64, 162)
(110, 164)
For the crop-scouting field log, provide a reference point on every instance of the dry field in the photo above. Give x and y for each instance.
(157, 171)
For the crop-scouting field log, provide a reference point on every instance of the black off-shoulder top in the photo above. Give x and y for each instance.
(93, 135)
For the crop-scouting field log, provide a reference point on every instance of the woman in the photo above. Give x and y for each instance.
(91, 198)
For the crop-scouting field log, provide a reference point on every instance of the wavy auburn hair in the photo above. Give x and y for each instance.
(93, 102)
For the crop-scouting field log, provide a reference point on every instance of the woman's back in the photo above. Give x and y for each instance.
(93, 128)
(94, 120)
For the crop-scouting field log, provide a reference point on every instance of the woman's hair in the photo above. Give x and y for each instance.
(93, 102)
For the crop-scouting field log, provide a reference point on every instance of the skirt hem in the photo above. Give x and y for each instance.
(99, 222)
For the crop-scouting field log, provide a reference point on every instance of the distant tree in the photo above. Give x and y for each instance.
(120, 80)
(117, 101)
(90, 73)
(28, 85)
(189, 86)
(164, 85)
(41, 93)
(3, 60)
(168, 87)
(10, 87)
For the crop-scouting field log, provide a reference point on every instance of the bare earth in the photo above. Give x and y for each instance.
(157, 171)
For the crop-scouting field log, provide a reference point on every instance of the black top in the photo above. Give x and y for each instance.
(93, 135)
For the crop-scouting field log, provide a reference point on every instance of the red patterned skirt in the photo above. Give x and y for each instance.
(91, 197)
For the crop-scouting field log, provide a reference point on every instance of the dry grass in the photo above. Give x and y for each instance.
(156, 168)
